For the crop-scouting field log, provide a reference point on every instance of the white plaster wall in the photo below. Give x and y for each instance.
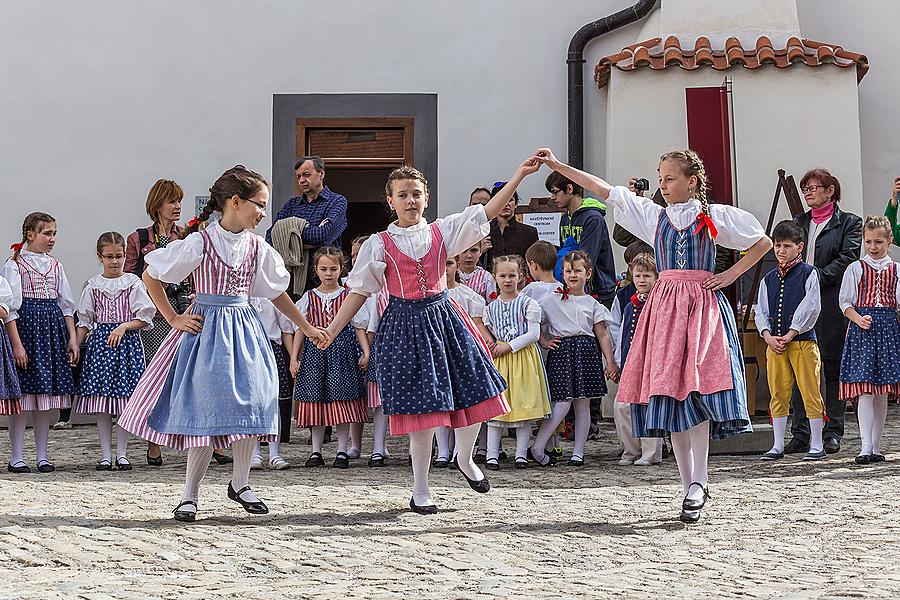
(720, 19)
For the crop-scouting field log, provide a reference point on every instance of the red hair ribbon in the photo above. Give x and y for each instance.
(193, 222)
(17, 247)
(564, 292)
(492, 296)
(703, 220)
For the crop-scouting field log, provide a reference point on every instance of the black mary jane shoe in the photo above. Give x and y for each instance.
(154, 461)
(18, 468)
(576, 461)
(186, 516)
(550, 460)
(123, 464)
(103, 465)
(480, 458)
(440, 463)
(492, 464)
(689, 516)
(222, 459)
(689, 505)
(376, 460)
(341, 461)
(482, 487)
(429, 509)
(876, 458)
(254, 508)
(315, 460)
(45, 466)
(521, 463)
(863, 459)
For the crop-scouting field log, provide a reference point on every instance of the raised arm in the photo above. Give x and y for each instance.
(582, 178)
(496, 204)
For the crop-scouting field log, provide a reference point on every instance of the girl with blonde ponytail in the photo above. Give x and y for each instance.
(685, 371)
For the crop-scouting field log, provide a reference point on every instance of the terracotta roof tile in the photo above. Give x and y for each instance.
(671, 54)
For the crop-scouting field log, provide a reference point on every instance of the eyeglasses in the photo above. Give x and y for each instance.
(812, 188)
(259, 205)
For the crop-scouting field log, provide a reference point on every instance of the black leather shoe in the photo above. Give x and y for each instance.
(480, 458)
(521, 463)
(187, 516)
(576, 461)
(772, 455)
(440, 463)
(154, 461)
(689, 505)
(832, 445)
(376, 460)
(492, 464)
(550, 460)
(23, 468)
(222, 459)
(341, 461)
(689, 516)
(796, 446)
(254, 508)
(482, 487)
(123, 464)
(876, 458)
(429, 509)
(45, 466)
(315, 460)
(103, 465)
(863, 459)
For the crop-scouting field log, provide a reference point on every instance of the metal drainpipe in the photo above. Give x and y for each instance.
(575, 62)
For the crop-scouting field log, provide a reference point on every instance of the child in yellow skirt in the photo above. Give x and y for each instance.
(514, 320)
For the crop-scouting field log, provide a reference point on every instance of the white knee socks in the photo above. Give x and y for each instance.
(465, 443)
(197, 463)
(482, 438)
(700, 456)
(523, 436)
(493, 442)
(779, 427)
(442, 437)
(865, 413)
(548, 428)
(242, 453)
(420, 452)
(878, 420)
(104, 432)
(40, 423)
(317, 435)
(16, 424)
(356, 433)
(815, 434)
(681, 447)
(343, 436)
(379, 431)
(582, 426)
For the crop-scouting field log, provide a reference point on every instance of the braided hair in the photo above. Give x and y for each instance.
(237, 181)
(32, 223)
(692, 165)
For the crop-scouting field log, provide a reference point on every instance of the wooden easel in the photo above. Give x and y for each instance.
(786, 186)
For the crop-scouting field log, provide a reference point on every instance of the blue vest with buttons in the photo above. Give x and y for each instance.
(784, 297)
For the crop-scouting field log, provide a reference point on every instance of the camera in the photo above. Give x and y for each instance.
(642, 185)
(179, 295)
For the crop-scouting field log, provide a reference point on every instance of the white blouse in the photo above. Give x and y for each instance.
(460, 231)
(7, 301)
(737, 228)
(41, 262)
(849, 294)
(470, 300)
(273, 320)
(532, 335)
(539, 290)
(139, 301)
(806, 314)
(180, 258)
(359, 321)
(576, 315)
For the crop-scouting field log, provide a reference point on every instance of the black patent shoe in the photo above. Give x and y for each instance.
(550, 460)
(315, 460)
(863, 459)
(186, 516)
(103, 465)
(19, 468)
(45, 466)
(429, 509)
(876, 458)
(341, 461)
(440, 463)
(521, 463)
(480, 458)
(482, 487)
(689, 516)
(376, 460)
(832, 445)
(154, 461)
(796, 446)
(123, 464)
(689, 505)
(492, 464)
(222, 459)
(576, 461)
(254, 508)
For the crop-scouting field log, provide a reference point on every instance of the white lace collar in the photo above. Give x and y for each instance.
(112, 287)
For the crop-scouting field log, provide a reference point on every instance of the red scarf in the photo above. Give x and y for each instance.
(783, 269)
(637, 300)
(823, 213)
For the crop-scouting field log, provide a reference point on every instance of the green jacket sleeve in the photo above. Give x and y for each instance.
(891, 213)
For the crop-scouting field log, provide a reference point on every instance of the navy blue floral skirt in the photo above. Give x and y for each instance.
(575, 369)
(42, 330)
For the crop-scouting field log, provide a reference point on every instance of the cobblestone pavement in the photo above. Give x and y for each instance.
(789, 529)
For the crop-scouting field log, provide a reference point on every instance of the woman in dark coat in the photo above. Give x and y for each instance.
(834, 240)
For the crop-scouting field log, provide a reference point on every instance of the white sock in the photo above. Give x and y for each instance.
(878, 421)
(465, 444)
(197, 463)
(779, 426)
(681, 447)
(40, 423)
(523, 436)
(815, 434)
(420, 452)
(121, 443)
(16, 424)
(242, 453)
(548, 428)
(493, 442)
(442, 437)
(865, 413)
(274, 449)
(356, 433)
(379, 431)
(700, 456)
(318, 438)
(582, 426)
(343, 436)
(104, 432)
(482, 438)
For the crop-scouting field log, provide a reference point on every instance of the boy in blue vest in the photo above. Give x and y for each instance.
(786, 311)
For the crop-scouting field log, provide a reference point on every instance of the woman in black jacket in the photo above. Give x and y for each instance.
(834, 240)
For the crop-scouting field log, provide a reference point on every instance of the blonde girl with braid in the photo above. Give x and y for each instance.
(685, 373)
(214, 381)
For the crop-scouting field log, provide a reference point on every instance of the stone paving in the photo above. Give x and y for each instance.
(789, 529)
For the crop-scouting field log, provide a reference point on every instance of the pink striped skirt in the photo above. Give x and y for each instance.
(319, 414)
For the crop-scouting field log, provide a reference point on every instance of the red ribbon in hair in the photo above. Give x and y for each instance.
(193, 222)
(492, 296)
(17, 247)
(564, 292)
(703, 220)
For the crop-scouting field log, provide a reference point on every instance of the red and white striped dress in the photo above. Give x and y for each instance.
(480, 281)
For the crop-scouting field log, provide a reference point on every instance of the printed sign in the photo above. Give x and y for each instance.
(199, 204)
(547, 224)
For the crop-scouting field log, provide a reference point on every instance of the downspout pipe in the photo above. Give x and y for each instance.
(575, 62)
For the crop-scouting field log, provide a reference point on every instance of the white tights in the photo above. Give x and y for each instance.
(691, 449)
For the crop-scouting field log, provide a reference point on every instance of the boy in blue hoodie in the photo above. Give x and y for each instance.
(585, 222)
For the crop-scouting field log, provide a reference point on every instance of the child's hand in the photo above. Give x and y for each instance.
(115, 336)
(529, 166)
(546, 157)
(612, 373)
(894, 191)
(501, 348)
(20, 356)
(865, 322)
(187, 322)
(775, 343)
(74, 350)
(550, 344)
(295, 367)
(364, 361)
(322, 338)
